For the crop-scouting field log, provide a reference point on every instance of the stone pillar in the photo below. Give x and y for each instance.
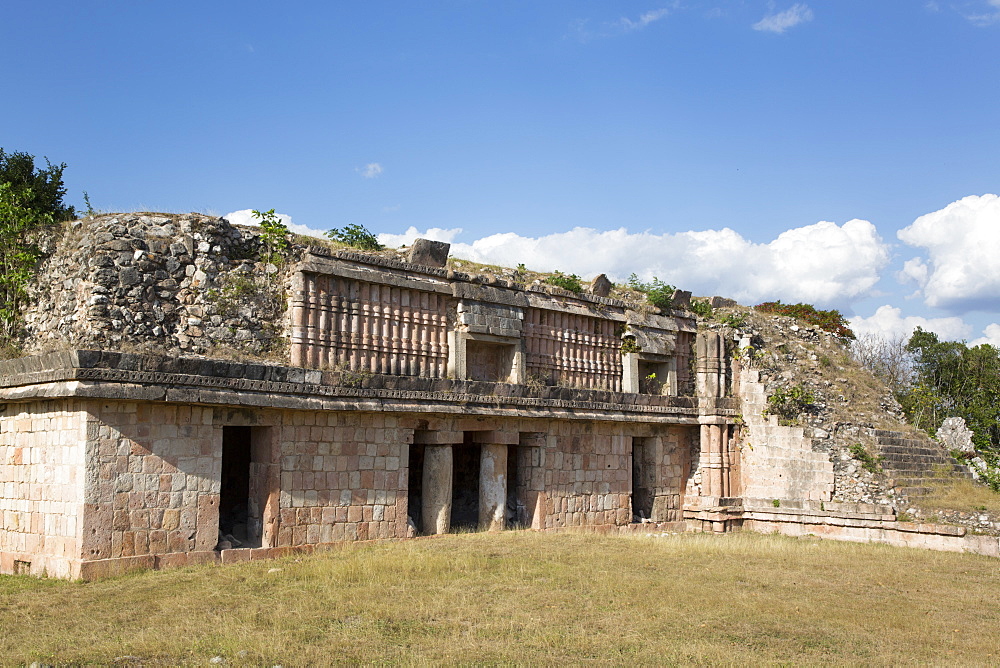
(726, 482)
(710, 372)
(715, 459)
(704, 459)
(630, 372)
(435, 510)
(493, 487)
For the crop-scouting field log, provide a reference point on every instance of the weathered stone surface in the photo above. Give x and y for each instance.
(437, 489)
(429, 253)
(601, 286)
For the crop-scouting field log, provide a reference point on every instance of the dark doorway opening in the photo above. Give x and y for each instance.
(465, 486)
(239, 514)
(643, 480)
(415, 485)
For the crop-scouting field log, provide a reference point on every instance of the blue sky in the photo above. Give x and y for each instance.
(761, 150)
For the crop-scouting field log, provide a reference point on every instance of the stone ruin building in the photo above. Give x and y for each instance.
(183, 401)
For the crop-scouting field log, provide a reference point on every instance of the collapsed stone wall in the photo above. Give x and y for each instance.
(188, 284)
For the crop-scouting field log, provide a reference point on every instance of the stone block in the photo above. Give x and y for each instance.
(429, 253)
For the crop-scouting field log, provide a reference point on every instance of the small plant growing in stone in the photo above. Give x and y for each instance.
(735, 320)
(356, 236)
(630, 346)
(274, 234)
(658, 293)
(788, 403)
(701, 307)
(776, 503)
(868, 461)
(569, 282)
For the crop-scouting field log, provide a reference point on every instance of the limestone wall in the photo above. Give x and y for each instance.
(42, 473)
(778, 462)
(177, 284)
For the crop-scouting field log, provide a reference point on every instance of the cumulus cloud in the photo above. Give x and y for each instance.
(370, 171)
(407, 237)
(782, 21)
(991, 335)
(888, 322)
(824, 263)
(246, 217)
(962, 241)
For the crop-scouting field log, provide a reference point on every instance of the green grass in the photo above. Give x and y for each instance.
(523, 597)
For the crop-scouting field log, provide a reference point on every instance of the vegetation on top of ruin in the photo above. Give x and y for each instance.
(525, 598)
(831, 321)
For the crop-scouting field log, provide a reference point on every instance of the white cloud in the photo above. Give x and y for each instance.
(987, 16)
(888, 322)
(643, 20)
(992, 336)
(824, 264)
(962, 240)
(583, 32)
(407, 237)
(782, 21)
(370, 171)
(246, 217)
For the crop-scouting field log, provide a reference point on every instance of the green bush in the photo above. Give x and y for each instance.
(658, 293)
(701, 307)
(832, 321)
(569, 282)
(788, 403)
(868, 461)
(356, 236)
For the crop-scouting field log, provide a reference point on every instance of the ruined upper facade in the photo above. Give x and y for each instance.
(188, 401)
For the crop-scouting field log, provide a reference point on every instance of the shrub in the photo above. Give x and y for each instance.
(273, 233)
(788, 403)
(701, 307)
(356, 236)
(868, 461)
(658, 293)
(832, 321)
(569, 282)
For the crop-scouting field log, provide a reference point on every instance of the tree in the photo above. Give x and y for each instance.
(19, 254)
(39, 190)
(951, 379)
(30, 200)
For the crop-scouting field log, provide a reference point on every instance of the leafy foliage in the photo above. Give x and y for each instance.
(658, 293)
(30, 200)
(788, 403)
(19, 254)
(869, 462)
(952, 379)
(355, 236)
(569, 282)
(701, 307)
(274, 234)
(832, 321)
(39, 190)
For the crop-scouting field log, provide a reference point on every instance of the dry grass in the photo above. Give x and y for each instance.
(523, 597)
(962, 495)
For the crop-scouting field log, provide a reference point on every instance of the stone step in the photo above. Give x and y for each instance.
(928, 460)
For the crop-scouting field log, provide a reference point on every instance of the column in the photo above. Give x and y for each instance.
(493, 487)
(435, 509)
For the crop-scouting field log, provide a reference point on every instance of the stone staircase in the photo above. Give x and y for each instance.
(916, 463)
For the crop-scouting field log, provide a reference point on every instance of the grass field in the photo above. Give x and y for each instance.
(523, 597)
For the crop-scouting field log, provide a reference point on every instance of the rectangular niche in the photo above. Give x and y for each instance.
(489, 361)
